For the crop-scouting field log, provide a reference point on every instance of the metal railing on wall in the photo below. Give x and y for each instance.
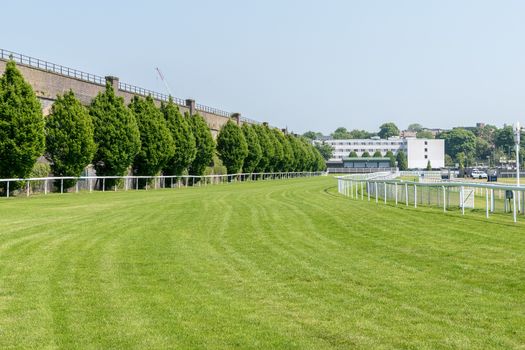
(47, 185)
(51, 67)
(491, 198)
(212, 110)
(145, 92)
(96, 79)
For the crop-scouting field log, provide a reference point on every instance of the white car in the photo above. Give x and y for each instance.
(478, 174)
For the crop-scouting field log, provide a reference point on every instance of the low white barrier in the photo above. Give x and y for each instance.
(94, 183)
(437, 193)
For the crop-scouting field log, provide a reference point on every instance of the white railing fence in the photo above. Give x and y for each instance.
(488, 197)
(47, 185)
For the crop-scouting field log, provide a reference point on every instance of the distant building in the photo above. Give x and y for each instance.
(407, 133)
(366, 162)
(418, 151)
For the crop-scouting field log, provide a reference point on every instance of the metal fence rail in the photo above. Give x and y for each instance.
(446, 195)
(51, 67)
(46, 185)
(212, 110)
(145, 92)
(96, 79)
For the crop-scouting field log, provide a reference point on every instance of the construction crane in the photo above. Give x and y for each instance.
(164, 81)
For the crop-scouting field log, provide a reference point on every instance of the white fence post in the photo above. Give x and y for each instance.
(514, 205)
(444, 200)
(415, 196)
(395, 189)
(487, 203)
(462, 200)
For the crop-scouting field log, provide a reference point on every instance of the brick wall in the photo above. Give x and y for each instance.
(47, 85)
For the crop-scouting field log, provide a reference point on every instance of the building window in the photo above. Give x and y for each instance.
(426, 156)
(426, 143)
(426, 149)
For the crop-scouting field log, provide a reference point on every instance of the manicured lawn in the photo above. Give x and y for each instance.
(280, 264)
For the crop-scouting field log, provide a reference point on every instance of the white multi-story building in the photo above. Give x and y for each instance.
(418, 151)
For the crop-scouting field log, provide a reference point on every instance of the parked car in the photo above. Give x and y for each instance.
(478, 174)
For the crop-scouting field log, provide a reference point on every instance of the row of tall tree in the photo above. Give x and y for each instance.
(140, 137)
(258, 148)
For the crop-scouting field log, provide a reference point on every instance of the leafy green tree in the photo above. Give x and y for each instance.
(340, 134)
(415, 127)
(116, 135)
(483, 149)
(449, 162)
(459, 140)
(254, 148)
(325, 150)
(267, 147)
(504, 138)
(183, 139)
(402, 162)
(377, 154)
(360, 134)
(294, 146)
(309, 160)
(232, 147)
(365, 154)
(69, 137)
(429, 166)
(300, 153)
(278, 154)
(287, 159)
(392, 158)
(461, 159)
(387, 130)
(424, 134)
(319, 163)
(312, 135)
(204, 144)
(21, 126)
(352, 154)
(486, 132)
(155, 137)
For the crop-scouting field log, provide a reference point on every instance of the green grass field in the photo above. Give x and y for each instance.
(285, 264)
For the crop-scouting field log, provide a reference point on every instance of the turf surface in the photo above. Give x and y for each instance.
(280, 264)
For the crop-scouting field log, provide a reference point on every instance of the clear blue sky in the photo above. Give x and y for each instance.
(303, 64)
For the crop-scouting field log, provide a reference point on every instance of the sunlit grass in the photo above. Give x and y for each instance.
(285, 264)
